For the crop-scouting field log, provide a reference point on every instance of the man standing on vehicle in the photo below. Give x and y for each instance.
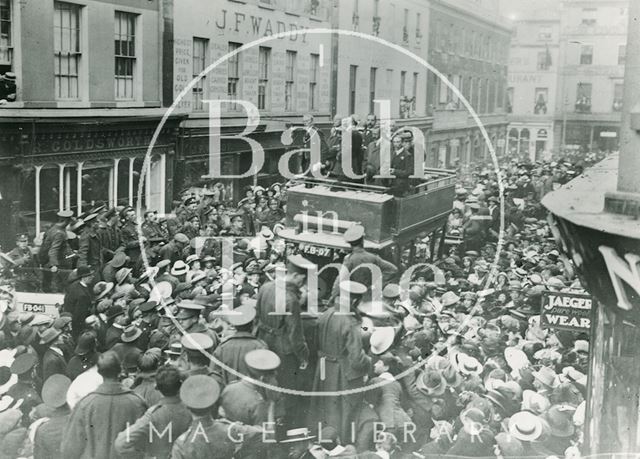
(354, 236)
(52, 252)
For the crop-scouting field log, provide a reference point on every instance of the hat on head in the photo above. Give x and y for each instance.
(161, 291)
(581, 346)
(525, 426)
(65, 214)
(466, 364)
(381, 340)
(546, 376)
(266, 233)
(130, 334)
(188, 309)
(22, 238)
(49, 335)
(119, 259)
(61, 322)
(181, 237)
(174, 348)
(299, 264)
(391, 291)
(352, 287)
(114, 311)
(296, 435)
(559, 421)
(148, 306)
(54, 390)
(122, 274)
(449, 299)
(199, 392)
(534, 402)
(262, 360)
(516, 358)
(196, 342)
(163, 264)
(41, 319)
(510, 446)
(83, 271)
(432, 382)
(242, 315)
(23, 363)
(102, 289)
(354, 234)
(86, 344)
(179, 268)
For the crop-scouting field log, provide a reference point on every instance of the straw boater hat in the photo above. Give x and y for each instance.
(179, 268)
(122, 274)
(432, 382)
(466, 364)
(296, 435)
(525, 426)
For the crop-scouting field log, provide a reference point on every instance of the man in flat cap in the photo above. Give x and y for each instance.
(97, 418)
(208, 437)
(342, 363)
(53, 251)
(169, 413)
(354, 236)
(90, 246)
(280, 325)
(233, 349)
(402, 164)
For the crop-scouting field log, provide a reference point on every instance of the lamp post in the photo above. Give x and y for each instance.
(565, 93)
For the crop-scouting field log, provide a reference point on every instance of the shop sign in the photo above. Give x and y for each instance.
(566, 311)
(611, 134)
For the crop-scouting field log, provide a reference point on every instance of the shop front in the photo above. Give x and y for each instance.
(604, 244)
(76, 164)
(191, 169)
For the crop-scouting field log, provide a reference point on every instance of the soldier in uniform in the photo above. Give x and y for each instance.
(208, 438)
(25, 388)
(354, 236)
(236, 229)
(189, 319)
(25, 264)
(234, 348)
(342, 364)
(151, 228)
(53, 251)
(90, 249)
(169, 411)
(244, 401)
(284, 333)
(196, 347)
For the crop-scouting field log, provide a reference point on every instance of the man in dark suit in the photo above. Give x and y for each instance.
(53, 361)
(78, 300)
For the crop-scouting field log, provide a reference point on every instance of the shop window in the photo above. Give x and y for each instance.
(372, 88)
(509, 107)
(544, 60)
(589, 16)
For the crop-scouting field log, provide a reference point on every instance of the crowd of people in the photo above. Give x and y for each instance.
(167, 352)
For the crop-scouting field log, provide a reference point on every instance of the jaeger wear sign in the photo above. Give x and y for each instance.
(566, 311)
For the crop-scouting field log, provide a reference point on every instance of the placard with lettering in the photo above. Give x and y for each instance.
(566, 311)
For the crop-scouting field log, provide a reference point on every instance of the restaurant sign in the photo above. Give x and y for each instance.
(566, 311)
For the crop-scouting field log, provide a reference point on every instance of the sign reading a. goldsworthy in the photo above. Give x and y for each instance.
(566, 311)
